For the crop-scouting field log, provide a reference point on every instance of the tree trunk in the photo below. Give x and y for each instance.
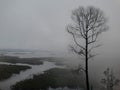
(86, 64)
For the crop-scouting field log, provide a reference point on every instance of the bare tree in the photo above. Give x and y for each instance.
(88, 24)
(110, 80)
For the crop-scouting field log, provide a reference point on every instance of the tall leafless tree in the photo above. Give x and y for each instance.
(88, 24)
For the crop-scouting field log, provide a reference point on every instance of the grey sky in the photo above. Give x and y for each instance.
(40, 24)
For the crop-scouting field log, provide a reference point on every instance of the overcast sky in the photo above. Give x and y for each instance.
(40, 24)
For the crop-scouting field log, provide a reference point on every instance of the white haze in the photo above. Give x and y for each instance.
(40, 24)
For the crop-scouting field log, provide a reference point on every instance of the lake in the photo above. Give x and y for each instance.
(36, 69)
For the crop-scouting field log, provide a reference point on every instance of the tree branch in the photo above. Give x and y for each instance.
(91, 56)
(76, 40)
(81, 52)
(93, 48)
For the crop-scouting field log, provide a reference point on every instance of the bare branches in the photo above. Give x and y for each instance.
(93, 47)
(92, 55)
(80, 52)
(76, 30)
(88, 24)
(73, 34)
(93, 41)
(110, 79)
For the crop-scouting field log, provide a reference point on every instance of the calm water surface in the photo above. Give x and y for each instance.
(36, 69)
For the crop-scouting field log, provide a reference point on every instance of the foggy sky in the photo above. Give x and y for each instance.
(40, 24)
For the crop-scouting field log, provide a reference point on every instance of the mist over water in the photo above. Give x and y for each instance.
(37, 28)
(35, 69)
(96, 65)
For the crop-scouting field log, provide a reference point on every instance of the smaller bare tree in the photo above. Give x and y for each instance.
(110, 80)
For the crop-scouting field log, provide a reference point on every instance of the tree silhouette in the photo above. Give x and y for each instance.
(88, 24)
(110, 80)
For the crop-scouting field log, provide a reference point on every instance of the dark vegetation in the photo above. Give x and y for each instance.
(6, 71)
(12, 59)
(56, 60)
(53, 78)
(110, 80)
